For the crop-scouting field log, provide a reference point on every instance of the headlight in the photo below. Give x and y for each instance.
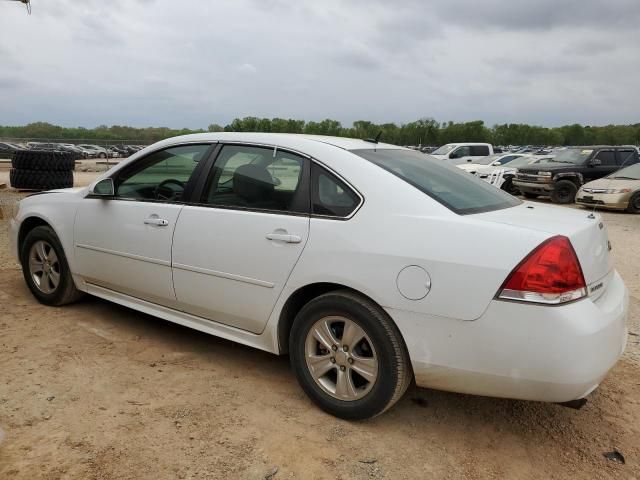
(618, 190)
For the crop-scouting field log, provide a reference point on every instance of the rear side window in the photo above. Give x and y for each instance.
(330, 195)
(627, 157)
(452, 187)
(259, 178)
(479, 150)
(607, 157)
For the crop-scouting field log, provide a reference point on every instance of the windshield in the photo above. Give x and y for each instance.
(522, 161)
(447, 184)
(577, 156)
(443, 150)
(629, 173)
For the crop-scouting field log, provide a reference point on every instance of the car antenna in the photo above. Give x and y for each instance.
(27, 3)
(374, 140)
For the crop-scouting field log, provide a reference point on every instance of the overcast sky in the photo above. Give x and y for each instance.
(188, 63)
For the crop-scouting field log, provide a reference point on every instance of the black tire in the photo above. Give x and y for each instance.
(394, 372)
(529, 195)
(509, 187)
(634, 203)
(66, 291)
(39, 179)
(564, 191)
(44, 160)
(102, 155)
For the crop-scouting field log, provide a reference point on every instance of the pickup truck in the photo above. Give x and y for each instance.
(562, 176)
(458, 153)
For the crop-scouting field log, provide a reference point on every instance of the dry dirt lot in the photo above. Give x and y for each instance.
(97, 391)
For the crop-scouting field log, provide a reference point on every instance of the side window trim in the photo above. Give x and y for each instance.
(189, 187)
(208, 177)
(319, 165)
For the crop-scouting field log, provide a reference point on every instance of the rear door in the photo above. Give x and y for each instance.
(626, 157)
(234, 251)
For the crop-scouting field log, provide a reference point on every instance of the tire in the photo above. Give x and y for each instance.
(39, 179)
(564, 191)
(634, 203)
(64, 291)
(381, 345)
(102, 155)
(509, 187)
(44, 160)
(529, 195)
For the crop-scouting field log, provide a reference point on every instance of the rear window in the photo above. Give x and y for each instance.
(452, 187)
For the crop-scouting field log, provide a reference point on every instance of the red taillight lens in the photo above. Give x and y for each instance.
(550, 274)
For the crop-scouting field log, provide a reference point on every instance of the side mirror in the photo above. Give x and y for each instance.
(595, 162)
(104, 188)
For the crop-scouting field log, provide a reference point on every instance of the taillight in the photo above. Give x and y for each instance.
(550, 274)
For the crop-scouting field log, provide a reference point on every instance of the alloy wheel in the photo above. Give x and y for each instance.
(44, 267)
(341, 358)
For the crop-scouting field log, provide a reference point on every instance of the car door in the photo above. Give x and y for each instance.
(123, 242)
(234, 251)
(626, 157)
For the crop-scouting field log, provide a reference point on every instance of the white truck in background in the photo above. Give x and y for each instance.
(458, 153)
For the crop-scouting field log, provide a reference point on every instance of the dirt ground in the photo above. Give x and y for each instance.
(97, 391)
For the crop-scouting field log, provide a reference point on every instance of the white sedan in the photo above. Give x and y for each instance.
(370, 264)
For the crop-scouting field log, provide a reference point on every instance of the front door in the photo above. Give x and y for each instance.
(123, 243)
(233, 253)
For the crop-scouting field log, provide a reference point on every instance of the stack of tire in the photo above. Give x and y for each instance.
(42, 170)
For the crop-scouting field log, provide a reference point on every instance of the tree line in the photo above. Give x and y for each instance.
(425, 131)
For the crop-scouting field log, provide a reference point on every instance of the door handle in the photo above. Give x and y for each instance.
(283, 237)
(158, 222)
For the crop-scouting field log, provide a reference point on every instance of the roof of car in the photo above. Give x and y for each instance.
(292, 140)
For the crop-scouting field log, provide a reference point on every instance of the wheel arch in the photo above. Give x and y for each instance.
(299, 298)
(575, 177)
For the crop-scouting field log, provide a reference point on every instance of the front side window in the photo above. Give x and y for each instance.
(452, 187)
(258, 178)
(331, 196)
(161, 175)
(461, 152)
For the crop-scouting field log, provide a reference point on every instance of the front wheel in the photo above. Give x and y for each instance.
(564, 191)
(349, 356)
(634, 203)
(45, 268)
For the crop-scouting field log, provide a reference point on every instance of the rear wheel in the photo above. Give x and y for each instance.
(45, 268)
(564, 192)
(634, 203)
(349, 356)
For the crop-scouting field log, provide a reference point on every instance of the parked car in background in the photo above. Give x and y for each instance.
(8, 149)
(501, 175)
(195, 226)
(96, 151)
(495, 160)
(618, 191)
(457, 153)
(562, 176)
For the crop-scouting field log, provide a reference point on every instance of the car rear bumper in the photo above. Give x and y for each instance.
(533, 187)
(613, 201)
(515, 350)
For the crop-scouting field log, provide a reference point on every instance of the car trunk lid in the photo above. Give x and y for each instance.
(585, 230)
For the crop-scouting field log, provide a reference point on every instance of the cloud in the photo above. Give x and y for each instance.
(192, 63)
